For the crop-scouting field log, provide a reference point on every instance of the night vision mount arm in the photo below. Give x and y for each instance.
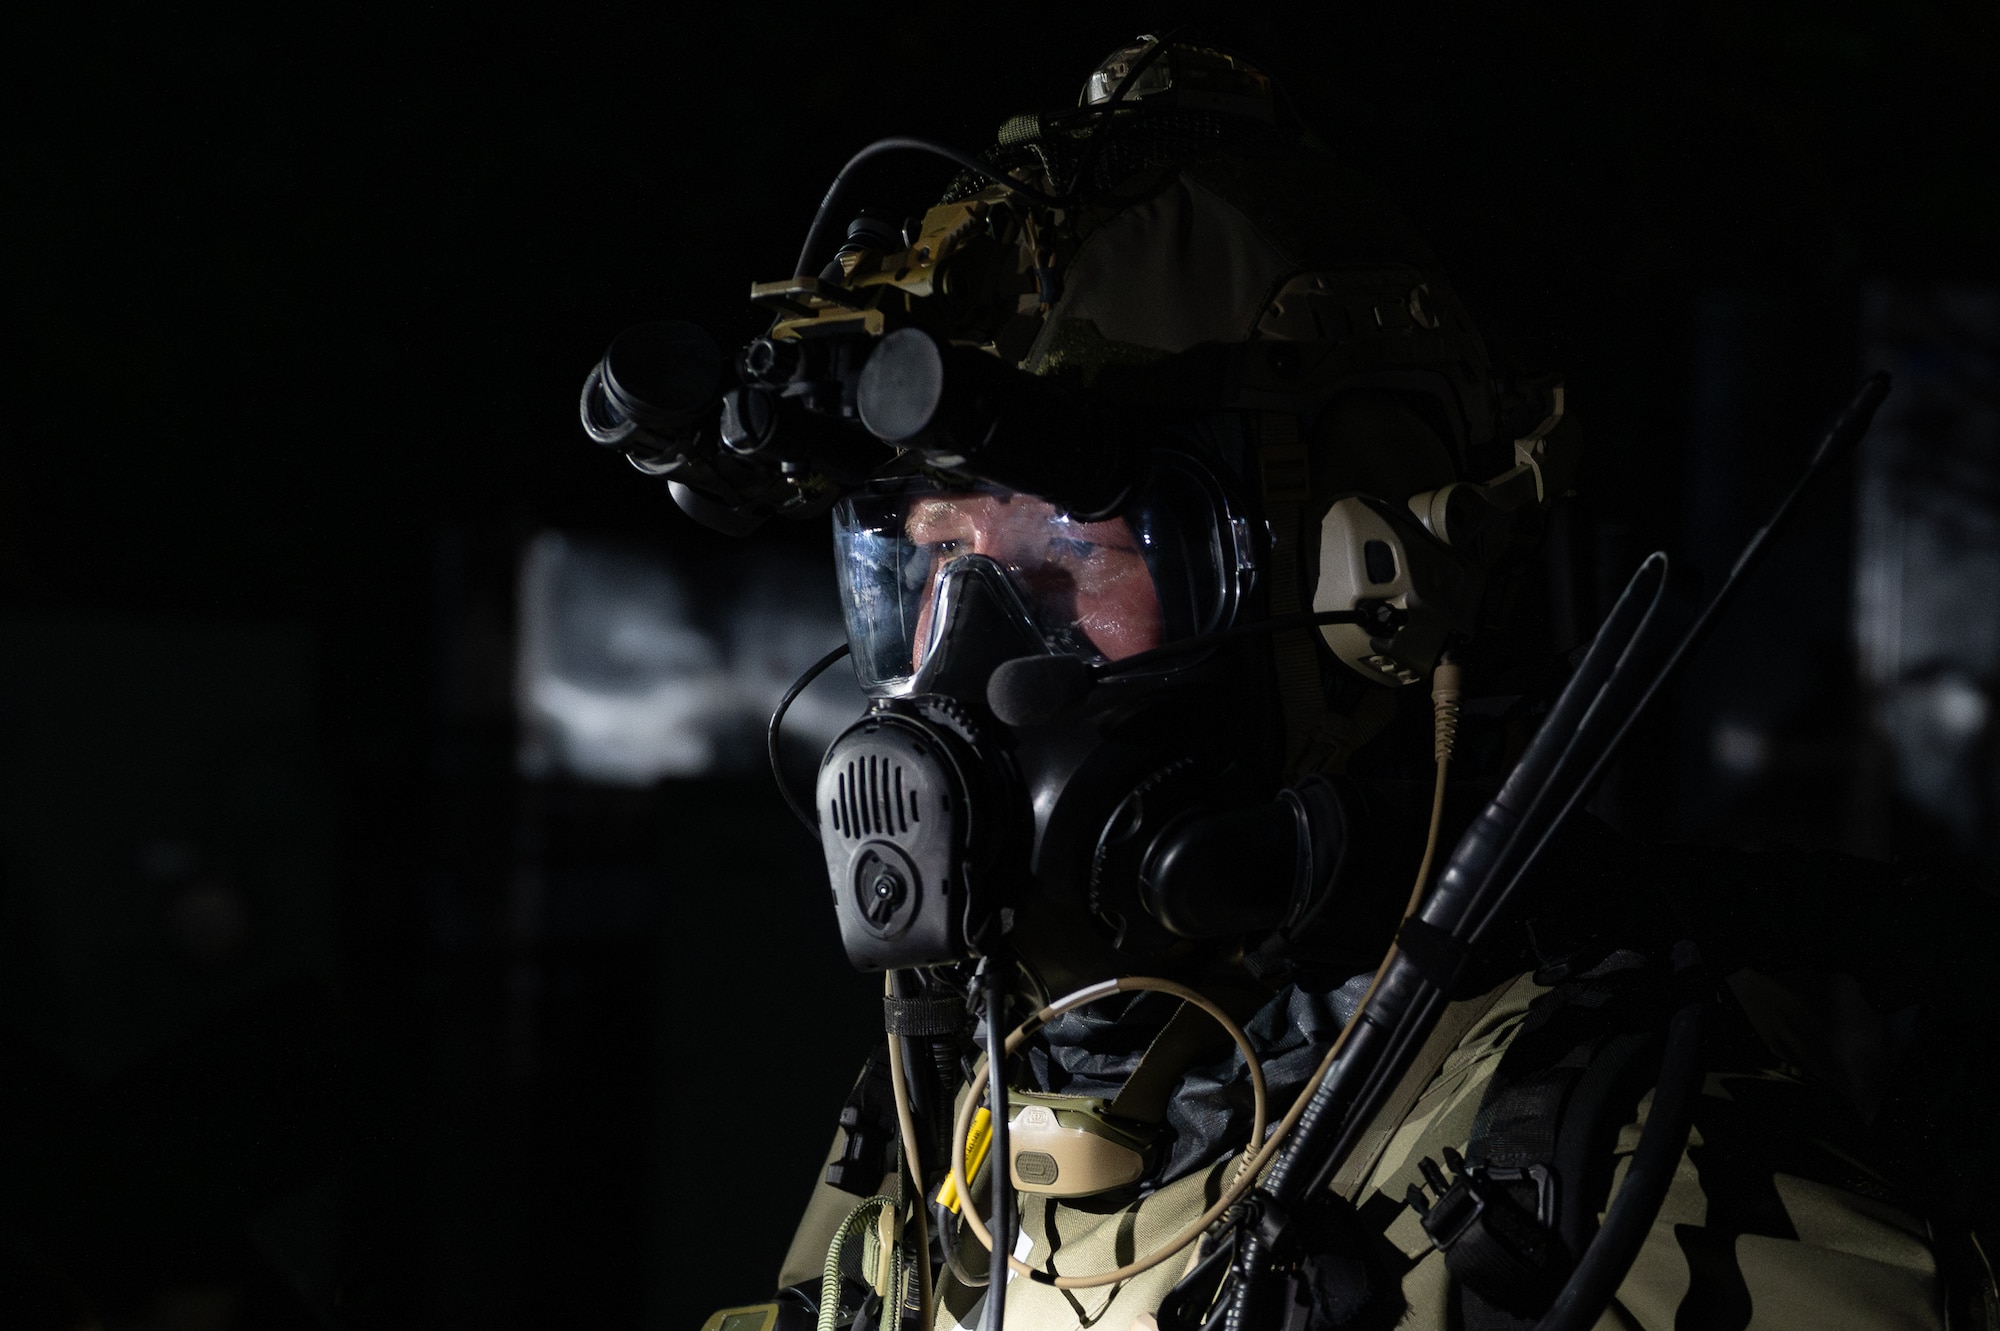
(896, 351)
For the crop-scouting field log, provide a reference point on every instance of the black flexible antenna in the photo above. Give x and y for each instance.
(1616, 681)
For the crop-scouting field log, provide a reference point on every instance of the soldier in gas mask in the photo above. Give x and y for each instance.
(1175, 498)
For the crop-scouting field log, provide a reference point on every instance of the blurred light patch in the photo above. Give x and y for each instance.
(625, 676)
(1927, 594)
(1740, 748)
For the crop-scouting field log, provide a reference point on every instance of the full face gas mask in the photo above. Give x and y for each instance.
(1087, 713)
(1150, 446)
(951, 802)
(1069, 424)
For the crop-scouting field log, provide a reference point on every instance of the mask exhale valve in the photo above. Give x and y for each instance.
(896, 823)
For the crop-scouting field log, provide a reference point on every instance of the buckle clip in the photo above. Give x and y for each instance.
(1490, 1240)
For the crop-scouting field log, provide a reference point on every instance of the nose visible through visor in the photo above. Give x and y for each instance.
(1085, 585)
(1078, 588)
(976, 622)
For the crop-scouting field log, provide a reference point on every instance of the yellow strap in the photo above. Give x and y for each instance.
(977, 1139)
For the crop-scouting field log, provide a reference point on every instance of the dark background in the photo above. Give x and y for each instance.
(313, 1013)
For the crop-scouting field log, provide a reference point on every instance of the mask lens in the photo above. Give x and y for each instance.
(1101, 591)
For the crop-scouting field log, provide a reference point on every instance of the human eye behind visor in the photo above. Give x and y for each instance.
(1102, 591)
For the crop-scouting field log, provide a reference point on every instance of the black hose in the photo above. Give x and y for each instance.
(1655, 1161)
(813, 672)
(1001, 1172)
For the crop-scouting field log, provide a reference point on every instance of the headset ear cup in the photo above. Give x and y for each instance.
(1371, 553)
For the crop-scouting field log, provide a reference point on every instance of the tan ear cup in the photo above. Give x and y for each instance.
(1371, 552)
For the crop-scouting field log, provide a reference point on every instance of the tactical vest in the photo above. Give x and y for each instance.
(1769, 1222)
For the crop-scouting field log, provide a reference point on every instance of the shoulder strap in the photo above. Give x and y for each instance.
(1456, 1022)
(1525, 1196)
(1188, 1035)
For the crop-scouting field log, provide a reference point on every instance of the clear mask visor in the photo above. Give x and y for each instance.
(1102, 591)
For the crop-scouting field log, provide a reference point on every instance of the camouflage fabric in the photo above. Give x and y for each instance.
(1771, 1222)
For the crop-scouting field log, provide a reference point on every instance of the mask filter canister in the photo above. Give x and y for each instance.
(895, 818)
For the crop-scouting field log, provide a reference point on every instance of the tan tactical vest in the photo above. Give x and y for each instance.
(1807, 1253)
